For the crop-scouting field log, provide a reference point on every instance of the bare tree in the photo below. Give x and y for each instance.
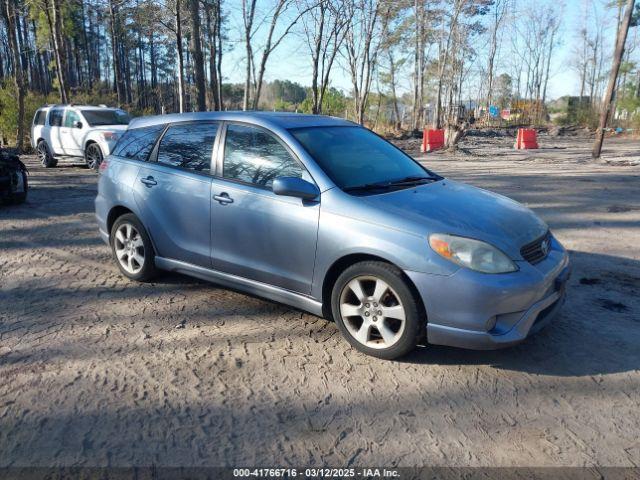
(254, 78)
(324, 27)
(368, 21)
(498, 15)
(621, 38)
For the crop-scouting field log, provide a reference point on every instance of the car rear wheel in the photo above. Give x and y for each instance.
(376, 310)
(93, 156)
(44, 155)
(132, 248)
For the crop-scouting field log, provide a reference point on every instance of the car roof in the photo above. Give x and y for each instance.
(79, 107)
(267, 119)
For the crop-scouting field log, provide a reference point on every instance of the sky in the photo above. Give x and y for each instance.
(291, 60)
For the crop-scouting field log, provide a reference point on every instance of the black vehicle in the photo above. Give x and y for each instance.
(13, 178)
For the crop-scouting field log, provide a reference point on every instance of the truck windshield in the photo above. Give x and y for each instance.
(96, 118)
(354, 157)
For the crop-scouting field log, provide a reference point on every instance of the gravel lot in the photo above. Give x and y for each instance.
(96, 370)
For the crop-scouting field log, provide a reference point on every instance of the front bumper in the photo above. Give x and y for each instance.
(484, 312)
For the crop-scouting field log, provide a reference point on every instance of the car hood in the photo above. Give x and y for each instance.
(459, 209)
(110, 128)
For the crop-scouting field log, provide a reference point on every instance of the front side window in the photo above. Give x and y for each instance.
(355, 156)
(188, 146)
(40, 117)
(254, 156)
(71, 118)
(138, 143)
(55, 117)
(97, 118)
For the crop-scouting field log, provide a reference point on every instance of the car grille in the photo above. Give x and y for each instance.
(537, 250)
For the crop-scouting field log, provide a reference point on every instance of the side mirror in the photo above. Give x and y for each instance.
(77, 124)
(295, 187)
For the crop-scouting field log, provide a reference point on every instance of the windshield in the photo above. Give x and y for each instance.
(96, 118)
(355, 157)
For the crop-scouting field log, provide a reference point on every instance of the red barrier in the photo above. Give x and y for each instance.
(432, 139)
(527, 139)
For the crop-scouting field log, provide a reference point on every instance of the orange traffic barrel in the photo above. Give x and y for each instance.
(527, 138)
(432, 139)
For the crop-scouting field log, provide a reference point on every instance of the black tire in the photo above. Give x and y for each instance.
(414, 322)
(148, 270)
(93, 156)
(47, 160)
(21, 197)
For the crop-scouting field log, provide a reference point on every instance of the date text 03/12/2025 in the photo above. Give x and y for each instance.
(315, 473)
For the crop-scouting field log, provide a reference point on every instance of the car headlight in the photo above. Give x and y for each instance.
(473, 254)
(110, 136)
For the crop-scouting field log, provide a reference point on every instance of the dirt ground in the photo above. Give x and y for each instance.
(97, 370)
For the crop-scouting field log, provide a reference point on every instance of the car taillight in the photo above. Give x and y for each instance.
(103, 165)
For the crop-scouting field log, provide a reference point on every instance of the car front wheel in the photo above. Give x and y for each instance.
(377, 311)
(132, 248)
(93, 156)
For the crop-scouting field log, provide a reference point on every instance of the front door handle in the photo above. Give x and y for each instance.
(149, 181)
(223, 198)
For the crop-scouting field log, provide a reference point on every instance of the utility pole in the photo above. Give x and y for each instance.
(615, 68)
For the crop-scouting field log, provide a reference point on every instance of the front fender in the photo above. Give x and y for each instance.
(340, 236)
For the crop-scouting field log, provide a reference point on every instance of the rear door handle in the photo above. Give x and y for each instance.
(149, 181)
(223, 198)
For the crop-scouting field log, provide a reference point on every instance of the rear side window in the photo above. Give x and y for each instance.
(188, 146)
(40, 117)
(55, 117)
(138, 143)
(254, 156)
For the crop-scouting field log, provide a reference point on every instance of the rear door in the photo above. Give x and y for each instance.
(38, 127)
(173, 192)
(53, 135)
(257, 234)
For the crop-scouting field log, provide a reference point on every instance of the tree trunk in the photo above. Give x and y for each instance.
(248, 15)
(180, 58)
(55, 24)
(18, 76)
(196, 55)
(615, 68)
(115, 50)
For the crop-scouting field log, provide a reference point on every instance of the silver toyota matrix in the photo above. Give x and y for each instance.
(324, 215)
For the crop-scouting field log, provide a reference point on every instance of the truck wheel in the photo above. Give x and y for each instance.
(93, 156)
(45, 156)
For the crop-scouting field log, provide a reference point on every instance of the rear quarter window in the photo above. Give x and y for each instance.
(40, 117)
(55, 117)
(138, 142)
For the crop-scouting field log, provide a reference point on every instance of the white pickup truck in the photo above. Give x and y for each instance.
(84, 131)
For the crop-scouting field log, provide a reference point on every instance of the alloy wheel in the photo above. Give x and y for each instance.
(43, 154)
(129, 248)
(94, 156)
(372, 312)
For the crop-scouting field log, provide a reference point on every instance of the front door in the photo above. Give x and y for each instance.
(260, 235)
(71, 135)
(173, 192)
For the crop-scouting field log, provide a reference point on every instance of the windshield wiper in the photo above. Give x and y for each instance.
(367, 186)
(403, 182)
(412, 180)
